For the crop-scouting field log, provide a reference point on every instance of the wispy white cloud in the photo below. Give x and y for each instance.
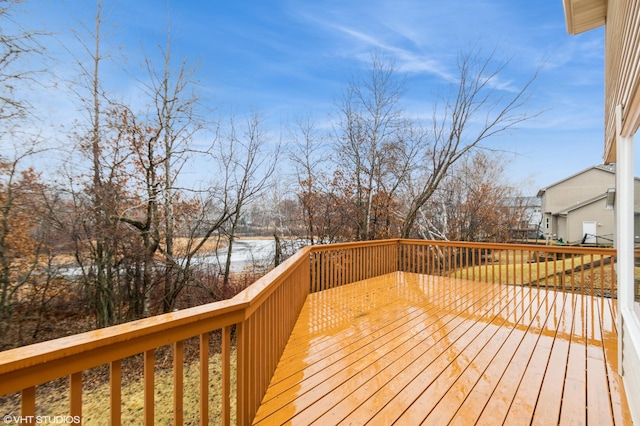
(289, 56)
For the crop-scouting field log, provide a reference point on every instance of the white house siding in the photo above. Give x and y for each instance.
(622, 117)
(597, 212)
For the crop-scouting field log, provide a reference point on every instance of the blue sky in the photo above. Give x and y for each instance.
(286, 57)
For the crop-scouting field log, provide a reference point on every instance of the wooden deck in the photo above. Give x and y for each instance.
(415, 349)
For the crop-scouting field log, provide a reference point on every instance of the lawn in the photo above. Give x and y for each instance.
(591, 272)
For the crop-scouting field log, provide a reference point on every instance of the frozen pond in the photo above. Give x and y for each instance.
(245, 253)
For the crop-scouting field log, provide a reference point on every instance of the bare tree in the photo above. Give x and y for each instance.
(476, 111)
(249, 160)
(473, 202)
(308, 154)
(369, 135)
(19, 251)
(15, 45)
(97, 200)
(176, 106)
(19, 184)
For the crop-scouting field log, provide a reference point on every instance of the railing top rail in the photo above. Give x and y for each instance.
(469, 244)
(510, 246)
(354, 244)
(50, 350)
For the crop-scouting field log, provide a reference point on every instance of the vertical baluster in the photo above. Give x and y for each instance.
(493, 267)
(592, 260)
(546, 270)
(529, 265)
(149, 387)
(387, 259)
(614, 290)
(204, 378)
(242, 393)
(28, 402)
(115, 394)
(582, 282)
(416, 255)
(602, 267)
(555, 270)
(465, 262)
(178, 382)
(474, 252)
(447, 260)
(537, 269)
(416, 252)
(323, 266)
(254, 362)
(318, 274)
(348, 268)
(482, 265)
(345, 266)
(267, 341)
(226, 376)
(313, 272)
(506, 266)
(515, 267)
(522, 267)
(568, 282)
(75, 394)
(333, 267)
(573, 273)
(260, 358)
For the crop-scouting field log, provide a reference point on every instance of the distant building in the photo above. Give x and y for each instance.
(529, 212)
(579, 208)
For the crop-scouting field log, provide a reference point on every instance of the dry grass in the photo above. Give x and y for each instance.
(210, 246)
(95, 407)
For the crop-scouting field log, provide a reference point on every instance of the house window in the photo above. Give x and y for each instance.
(546, 225)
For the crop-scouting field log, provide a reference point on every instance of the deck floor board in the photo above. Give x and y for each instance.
(419, 349)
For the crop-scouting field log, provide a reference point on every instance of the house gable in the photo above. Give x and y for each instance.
(577, 188)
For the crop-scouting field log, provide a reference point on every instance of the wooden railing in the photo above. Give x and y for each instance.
(582, 270)
(264, 314)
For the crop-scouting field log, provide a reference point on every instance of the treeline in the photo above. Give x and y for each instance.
(115, 230)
